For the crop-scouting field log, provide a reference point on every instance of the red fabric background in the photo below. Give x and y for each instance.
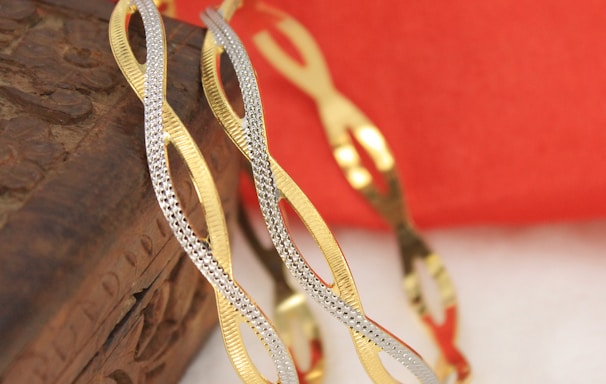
(496, 110)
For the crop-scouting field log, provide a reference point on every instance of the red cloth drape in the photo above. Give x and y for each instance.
(496, 110)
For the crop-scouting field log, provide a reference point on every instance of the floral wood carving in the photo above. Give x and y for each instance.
(92, 276)
(174, 305)
(54, 72)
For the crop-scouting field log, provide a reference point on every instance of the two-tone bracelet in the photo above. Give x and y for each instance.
(162, 129)
(273, 184)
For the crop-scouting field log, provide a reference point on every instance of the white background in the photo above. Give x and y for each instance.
(531, 303)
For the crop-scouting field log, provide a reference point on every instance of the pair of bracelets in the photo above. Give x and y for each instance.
(340, 298)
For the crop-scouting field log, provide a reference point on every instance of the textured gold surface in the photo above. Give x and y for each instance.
(344, 123)
(178, 136)
(292, 316)
(343, 283)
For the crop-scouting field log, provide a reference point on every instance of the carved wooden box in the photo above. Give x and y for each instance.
(93, 287)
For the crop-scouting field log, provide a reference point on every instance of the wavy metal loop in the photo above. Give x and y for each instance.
(343, 123)
(164, 128)
(340, 298)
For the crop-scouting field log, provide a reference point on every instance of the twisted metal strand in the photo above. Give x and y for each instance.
(163, 128)
(272, 183)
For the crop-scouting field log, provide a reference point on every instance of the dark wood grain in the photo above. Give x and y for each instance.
(93, 287)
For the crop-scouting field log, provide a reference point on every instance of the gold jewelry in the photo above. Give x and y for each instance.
(273, 184)
(292, 317)
(163, 128)
(340, 118)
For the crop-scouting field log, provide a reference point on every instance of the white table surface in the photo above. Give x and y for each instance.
(532, 303)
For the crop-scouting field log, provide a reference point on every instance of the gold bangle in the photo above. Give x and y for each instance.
(163, 128)
(342, 122)
(341, 298)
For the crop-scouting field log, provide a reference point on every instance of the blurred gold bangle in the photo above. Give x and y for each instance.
(343, 123)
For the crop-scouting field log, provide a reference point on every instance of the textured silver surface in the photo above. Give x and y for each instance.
(198, 250)
(268, 195)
